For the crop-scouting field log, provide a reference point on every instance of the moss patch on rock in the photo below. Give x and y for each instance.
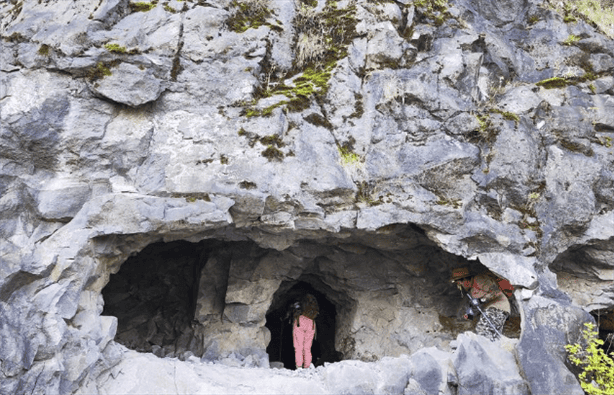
(101, 70)
(142, 6)
(43, 50)
(335, 28)
(115, 48)
(248, 14)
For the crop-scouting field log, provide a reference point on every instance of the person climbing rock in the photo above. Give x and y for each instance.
(304, 329)
(485, 291)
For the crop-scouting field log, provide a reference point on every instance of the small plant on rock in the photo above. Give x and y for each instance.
(571, 40)
(142, 6)
(597, 377)
(44, 50)
(115, 48)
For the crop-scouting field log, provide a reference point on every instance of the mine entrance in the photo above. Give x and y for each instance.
(154, 295)
(281, 348)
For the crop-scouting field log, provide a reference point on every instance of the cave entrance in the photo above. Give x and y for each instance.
(154, 297)
(605, 326)
(281, 348)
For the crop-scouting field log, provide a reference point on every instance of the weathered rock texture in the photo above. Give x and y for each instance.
(222, 169)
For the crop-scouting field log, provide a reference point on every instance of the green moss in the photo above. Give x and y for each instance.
(339, 26)
(588, 76)
(273, 154)
(348, 157)
(223, 159)
(483, 121)
(100, 71)
(433, 11)
(44, 50)
(242, 132)
(248, 14)
(510, 116)
(554, 82)
(142, 6)
(115, 48)
(170, 9)
(606, 141)
(533, 19)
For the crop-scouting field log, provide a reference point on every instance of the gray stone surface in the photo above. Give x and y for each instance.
(459, 158)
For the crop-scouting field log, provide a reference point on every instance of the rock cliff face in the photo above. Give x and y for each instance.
(173, 173)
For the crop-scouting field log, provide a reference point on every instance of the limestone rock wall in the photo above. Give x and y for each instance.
(485, 125)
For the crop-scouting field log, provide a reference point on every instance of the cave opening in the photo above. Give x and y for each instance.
(380, 294)
(278, 321)
(605, 328)
(154, 296)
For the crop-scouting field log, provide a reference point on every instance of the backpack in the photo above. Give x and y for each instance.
(310, 307)
(505, 286)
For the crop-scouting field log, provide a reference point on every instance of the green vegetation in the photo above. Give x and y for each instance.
(273, 154)
(486, 132)
(170, 9)
(347, 156)
(597, 377)
(322, 39)
(554, 82)
(533, 19)
(571, 40)
(44, 50)
(100, 71)
(115, 48)
(592, 87)
(597, 12)
(248, 14)
(562, 82)
(510, 116)
(142, 6)
(435, 10)
(606, 141)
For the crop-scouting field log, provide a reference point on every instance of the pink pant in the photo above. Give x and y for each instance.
(303, 337)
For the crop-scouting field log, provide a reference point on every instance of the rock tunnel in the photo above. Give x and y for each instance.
(383, 293)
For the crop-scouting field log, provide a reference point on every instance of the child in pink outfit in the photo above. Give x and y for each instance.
(303, 331)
